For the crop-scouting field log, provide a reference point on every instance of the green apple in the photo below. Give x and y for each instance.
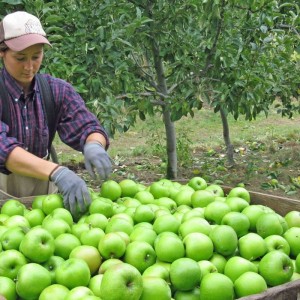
(64, 214)
(277, 242)
(102, 206)
(184, 197)
(201, 198)
(143, 213)
(241, 192)
(52, 264)
(12, 207)
(185, 274)
(121, 281)
(78, 228)
(64, 244)
(124, 216)
(293, 218)
(37, 245)
(237, 203)
(249, 283)
(224, 239)
(276, 268)
(56, 226)
(167, 222)
(108, 263)
(216, 189)
(195, 212)
(35, 217)
(96, 220)
(11, 238)
(79, 292)
(237, 265)
(197, 183)
(252, 246)
(216, 286)
(54, 291)
(157, 270)
(129, 202)
(8, 288)
(198, 246)
(95, 284)
(219, 261)
(155, 288)
(10, 263)
(111, 189)
(297, 263)
(90, 255)
(160, 189)
(167, 202)
(16, 220)
(215, 211)
(292, 235)
(268, 224)
(193, 294)
(92, 236)
(119, 224)
(206, 267)
(238, 221)
(253, 212)
(73, 272)
(169, 247)
(144, 197)
(32, 279)
(112, 245)
(140, 254)
(51, 202)
(37, 201)
(143, 234)
(196, 224)
(129, 187)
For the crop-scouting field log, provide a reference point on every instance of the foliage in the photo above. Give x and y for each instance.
(131, 59)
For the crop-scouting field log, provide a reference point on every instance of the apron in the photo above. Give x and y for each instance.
(17, 186)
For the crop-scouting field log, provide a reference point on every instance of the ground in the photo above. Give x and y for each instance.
(272, 171)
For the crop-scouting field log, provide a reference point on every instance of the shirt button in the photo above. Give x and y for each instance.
(16, 99)
(26, 127)
(26, 148)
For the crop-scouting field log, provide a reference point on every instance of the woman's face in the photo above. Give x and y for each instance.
(23, 65)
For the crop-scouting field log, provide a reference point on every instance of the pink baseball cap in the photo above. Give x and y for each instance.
(20, 30)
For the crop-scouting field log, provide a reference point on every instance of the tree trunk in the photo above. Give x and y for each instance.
(169, 125)
(226, 136)
(171, 145)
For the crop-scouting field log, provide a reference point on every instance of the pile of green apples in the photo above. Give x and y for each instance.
(166, 240)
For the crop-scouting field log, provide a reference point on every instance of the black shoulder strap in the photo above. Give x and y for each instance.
(49, 106)
(5, 114)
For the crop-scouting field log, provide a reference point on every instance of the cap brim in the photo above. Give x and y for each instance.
(22, 42)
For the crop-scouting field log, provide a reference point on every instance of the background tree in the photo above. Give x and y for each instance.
(137, 58)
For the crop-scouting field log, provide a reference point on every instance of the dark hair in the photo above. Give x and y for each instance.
(3, 47)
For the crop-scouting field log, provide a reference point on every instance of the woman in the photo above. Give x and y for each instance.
(24, 169)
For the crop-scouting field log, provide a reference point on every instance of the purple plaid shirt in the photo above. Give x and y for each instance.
(29, 128)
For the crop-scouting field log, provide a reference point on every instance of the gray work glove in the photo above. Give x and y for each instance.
(73, 189)
(96, 157)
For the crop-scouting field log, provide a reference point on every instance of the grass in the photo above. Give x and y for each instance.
(267, 151)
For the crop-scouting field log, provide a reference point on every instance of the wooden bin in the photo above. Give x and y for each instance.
(282, 205)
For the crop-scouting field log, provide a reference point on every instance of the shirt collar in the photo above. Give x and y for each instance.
(13, 87)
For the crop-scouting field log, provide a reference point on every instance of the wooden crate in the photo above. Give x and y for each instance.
(282, 205)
